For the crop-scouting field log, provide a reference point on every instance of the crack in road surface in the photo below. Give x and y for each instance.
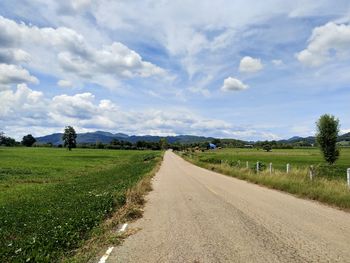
(195, 215)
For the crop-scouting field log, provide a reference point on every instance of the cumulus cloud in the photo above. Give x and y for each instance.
(20, 103)
(326, 42)
(9, 56)
(62, 51)
(79, 106)
(250, 65)
(114, 59)
(12, 74)
(25, 107)
(233, 84)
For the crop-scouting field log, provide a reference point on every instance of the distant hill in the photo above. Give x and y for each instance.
(295, 139)
(344, 137)
(107, 137)
(312, 139)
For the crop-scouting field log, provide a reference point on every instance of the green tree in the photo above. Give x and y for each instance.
(327, 134)
(7, 141)
(69, 137)
(28, 140)
(163, 143)
(217, 142)
(267, 147)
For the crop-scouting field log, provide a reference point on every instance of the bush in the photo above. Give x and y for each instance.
(330, 172)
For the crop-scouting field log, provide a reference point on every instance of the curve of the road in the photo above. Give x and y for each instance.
(195, 215)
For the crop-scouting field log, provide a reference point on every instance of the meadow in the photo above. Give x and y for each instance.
(297, 158)
(52, 199)
(328, 184)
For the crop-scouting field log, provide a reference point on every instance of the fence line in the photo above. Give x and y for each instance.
(288, 169)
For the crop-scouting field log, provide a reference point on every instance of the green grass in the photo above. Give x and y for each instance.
(328, 186)
(51, 199)
(297, 158)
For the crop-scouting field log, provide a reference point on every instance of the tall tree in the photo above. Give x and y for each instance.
(163, 143)
(28, 140)
(327, 134)
(69, 138)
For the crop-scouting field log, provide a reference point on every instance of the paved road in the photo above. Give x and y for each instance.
(194, 215)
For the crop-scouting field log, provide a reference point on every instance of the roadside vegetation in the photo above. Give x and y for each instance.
(328, 184)
(53, 200)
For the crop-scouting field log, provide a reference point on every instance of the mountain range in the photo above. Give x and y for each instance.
(107, 137)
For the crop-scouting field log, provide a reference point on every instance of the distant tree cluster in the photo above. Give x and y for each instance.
(125, 145)
(265, 145)
(7, 141)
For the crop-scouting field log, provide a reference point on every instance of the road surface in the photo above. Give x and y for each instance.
(195, 215)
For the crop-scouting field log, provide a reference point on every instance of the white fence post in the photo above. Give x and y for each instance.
(270, 168)
(287, 168)
(348, 177)
(257, 166)
(247, 164)
(311, 172)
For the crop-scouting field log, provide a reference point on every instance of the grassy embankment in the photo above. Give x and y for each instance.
(328, 186)
(55, 204)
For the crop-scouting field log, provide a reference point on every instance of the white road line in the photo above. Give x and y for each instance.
(106, 255)
(109, 250)
(122, 229)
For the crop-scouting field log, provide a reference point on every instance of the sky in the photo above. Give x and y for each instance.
(252, 70)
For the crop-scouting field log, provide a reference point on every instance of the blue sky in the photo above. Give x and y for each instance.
(232, 69)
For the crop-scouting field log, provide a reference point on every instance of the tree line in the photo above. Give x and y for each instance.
(327, 133)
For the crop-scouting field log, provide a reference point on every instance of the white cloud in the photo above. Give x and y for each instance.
(19, 104)
(326, 42)
(63, 52)
(254, 135)
(28, 111)
(79, 106)
(65, 83)
(12, 74)
(343, 131)
(250, 65)
(9, 56)
(277, 62)
(29, 108)
(233, 84)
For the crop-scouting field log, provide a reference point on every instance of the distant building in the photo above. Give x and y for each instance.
(212, 146)
(248, 146)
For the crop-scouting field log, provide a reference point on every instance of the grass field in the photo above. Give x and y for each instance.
(328, 186)
(297, 158)
(51, 199)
